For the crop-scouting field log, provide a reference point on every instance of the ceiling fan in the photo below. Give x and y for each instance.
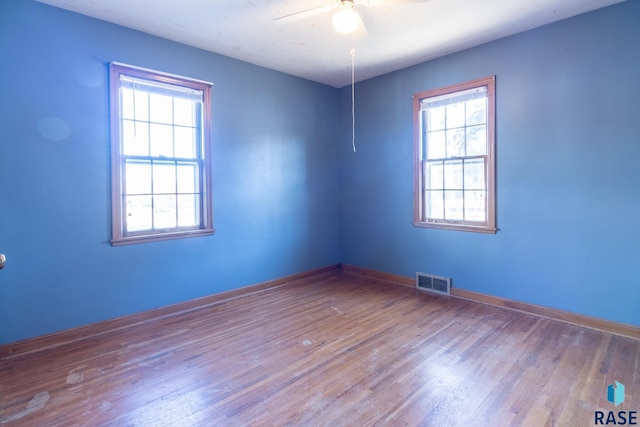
(346, 20)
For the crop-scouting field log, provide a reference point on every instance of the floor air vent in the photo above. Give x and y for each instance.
(435, 284)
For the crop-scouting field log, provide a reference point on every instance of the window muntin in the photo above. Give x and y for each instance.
(160, 156)
(454, 157)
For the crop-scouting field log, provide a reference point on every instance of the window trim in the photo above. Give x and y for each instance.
(205, 228)
(489, 226)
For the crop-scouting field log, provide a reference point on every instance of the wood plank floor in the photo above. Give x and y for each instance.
(336, 350)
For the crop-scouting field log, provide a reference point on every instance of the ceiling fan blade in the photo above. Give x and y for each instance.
(304, 14)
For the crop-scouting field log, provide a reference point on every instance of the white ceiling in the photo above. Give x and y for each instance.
(397, 35)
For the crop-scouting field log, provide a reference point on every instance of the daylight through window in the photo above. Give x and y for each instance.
(454, 157)
(160, 161)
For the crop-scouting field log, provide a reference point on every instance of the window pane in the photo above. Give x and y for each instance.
(474, 176)
(453, 175)
(436, 118)
(436, 145)
(161, 140)
(435, 204)
(138, 213)
(161, 107)
(477, 140)
(157, 162)
(185, 142)
(455, 153)
(434, 178)
(138, 177)
(164, 178)
(455, 115)
(135, 107)
(476, 111)
(475, 205)
(187, 178)
(126, 99)
(455, 142)
(164, 211)
(184, 112)
(453, 205)
(135, 138)
(188, 210)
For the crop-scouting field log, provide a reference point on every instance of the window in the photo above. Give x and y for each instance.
(160, 173)
(455, 157)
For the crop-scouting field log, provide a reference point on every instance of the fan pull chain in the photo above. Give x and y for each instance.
(353, 97)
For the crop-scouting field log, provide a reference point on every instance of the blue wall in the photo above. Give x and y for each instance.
(568, 170)
(275, 176)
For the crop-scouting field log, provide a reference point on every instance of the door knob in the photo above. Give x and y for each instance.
(3, 260)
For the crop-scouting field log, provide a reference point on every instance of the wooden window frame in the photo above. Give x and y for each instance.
(119, 234)
(489, 225)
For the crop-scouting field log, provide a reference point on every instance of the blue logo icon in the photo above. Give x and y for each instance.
(615, 393)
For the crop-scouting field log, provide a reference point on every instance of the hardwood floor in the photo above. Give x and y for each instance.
(333, 350)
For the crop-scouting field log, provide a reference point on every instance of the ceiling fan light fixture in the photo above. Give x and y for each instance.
(346, 20)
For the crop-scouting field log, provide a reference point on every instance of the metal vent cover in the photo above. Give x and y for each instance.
(431, 283)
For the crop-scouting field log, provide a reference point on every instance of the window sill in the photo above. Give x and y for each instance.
(130, 240)
(457, 227)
